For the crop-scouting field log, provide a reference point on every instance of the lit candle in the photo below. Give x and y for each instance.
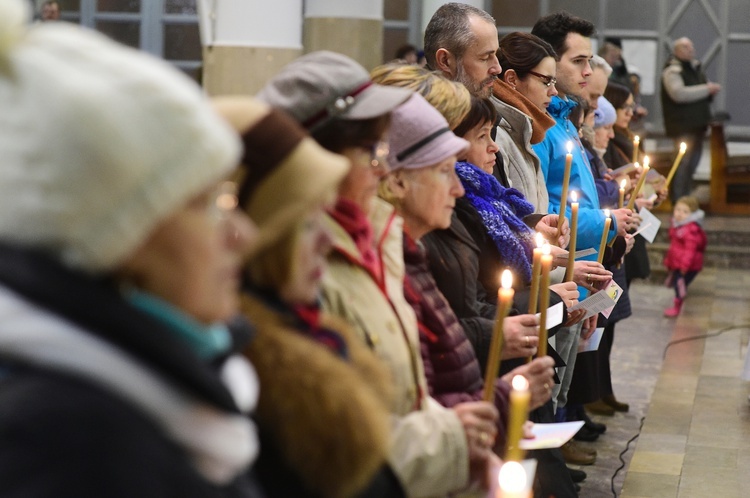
(573, 230)
(544, 299)
(641, 180)
(512, 481)
(519, 412)
(622, 193)
(537, 262)
(564, 191)
(603, 243)
(676, 163)
(504, 303)
(636, 143)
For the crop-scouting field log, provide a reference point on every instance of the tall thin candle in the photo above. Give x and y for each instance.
(564, 191)
(573, 230)
(544, 299)
(520, 396)
(605, 233)
(641, 180)
(636, 143)
(504, 303)
(535, 267)
(622, 193)
(676, 163)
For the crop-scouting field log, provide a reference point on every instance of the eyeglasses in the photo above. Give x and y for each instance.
(378, 154)
(547, 80)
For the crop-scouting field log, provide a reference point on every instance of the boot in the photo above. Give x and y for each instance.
(618, 406)
(577, 455)
(675, 309)
(600, 408)
(593, 426)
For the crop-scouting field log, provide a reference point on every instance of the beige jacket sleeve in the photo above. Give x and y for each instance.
(675, 86)
(429, 452)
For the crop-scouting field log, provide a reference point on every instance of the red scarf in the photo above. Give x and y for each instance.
(352, 219)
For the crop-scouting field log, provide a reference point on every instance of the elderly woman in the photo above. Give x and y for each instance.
(322, 411)
(434, 450)
(117, 269)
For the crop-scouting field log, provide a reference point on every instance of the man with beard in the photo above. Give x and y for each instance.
(461, 42)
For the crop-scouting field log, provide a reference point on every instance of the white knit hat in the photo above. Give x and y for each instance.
(98, 142)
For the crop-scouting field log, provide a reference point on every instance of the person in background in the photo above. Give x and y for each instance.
(686, 96)
(600, 73)
(118, 271)
(434, 450)
(50, 11)
(687, 243)
(407, 53)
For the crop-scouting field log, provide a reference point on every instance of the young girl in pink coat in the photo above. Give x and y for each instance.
(684, 258)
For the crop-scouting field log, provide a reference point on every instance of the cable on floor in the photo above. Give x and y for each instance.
(622, 460)
(704, 336)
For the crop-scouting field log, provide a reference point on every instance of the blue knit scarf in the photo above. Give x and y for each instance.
(501, 210)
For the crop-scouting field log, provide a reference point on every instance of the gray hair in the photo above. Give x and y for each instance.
(449, 29)
(598, 62)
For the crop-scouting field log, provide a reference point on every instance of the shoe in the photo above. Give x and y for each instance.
(577, 487)
(577, 455)
(577, 475)
(584, 434)
(591, 425)
(675, 309)
(600, 408)
(616, 405)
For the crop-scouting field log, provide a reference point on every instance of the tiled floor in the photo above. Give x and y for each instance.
(695, 439)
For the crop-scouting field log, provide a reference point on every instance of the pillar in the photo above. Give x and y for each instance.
(350, 27)
(246, 42)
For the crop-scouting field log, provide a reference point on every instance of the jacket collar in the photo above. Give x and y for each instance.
(504, 94)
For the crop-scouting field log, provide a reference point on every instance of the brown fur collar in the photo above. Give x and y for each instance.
(540, 120)
(328, 417)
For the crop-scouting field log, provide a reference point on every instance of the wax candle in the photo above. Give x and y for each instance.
(622, 193)
(676, 163)
(603, 242)
(641, 180)
(573, 229)
(518, 413)
(512, 481)
(504, 303)
(536, 265)
(564, 191)
(544, 298)
(636, 143)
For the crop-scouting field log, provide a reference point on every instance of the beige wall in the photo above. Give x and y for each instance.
(360, 39)
(242, 70)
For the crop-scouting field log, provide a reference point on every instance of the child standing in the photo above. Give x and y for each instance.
(684, 258)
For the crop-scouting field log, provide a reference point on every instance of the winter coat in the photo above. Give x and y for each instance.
(428, 450)
(521, 125)
(451, 366)
(99, 398)
(685, 98)
(323, 419)
(687, 243)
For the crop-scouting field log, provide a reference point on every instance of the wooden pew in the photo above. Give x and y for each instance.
(730, 177)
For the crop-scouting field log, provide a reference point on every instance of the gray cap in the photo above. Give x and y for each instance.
(323, 85)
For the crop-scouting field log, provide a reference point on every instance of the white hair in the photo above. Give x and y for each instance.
(598, 61)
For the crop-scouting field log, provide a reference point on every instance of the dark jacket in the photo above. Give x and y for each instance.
(690, 116)
(76, 362)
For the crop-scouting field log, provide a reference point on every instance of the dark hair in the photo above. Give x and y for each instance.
(554, 29)
(617, 94)
(578, 111)
(403, 50)
(522, 52)
(449, 29)
(338, 134)
(481, 111)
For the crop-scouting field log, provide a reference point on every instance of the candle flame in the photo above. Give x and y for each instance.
(683, 147)
(512, 478)
(569, 146)
(623, 183)
(606, 213)
(545, 248)
(646, 161)
(637, 165)
(539, 240)
(637, 139)
(573, 196)
(506, 280)
(520, 383)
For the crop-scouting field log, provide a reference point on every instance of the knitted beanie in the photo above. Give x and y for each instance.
(99, 143)
(604, 114)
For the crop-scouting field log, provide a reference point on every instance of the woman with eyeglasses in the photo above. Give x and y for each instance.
(620, 148)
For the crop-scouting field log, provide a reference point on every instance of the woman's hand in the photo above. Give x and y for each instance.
(540, 373)
(591, 275)
(479, 420)
(589, 326)
(624, 219)
(629, 242)
(547, 226)
(521, 336)
(568, 292)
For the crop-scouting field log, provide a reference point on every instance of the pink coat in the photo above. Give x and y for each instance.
(686, 247)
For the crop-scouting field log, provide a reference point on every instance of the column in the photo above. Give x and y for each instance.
(351, 27)
(246, 42)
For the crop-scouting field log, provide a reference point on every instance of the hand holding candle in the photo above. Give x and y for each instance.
(676, 163)
(603, 242)
(535, 267)
(504, 303)
(544, 299)
(564, 191)
(636, 144)
(641, 180)
(573, 230)
(519, 412)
